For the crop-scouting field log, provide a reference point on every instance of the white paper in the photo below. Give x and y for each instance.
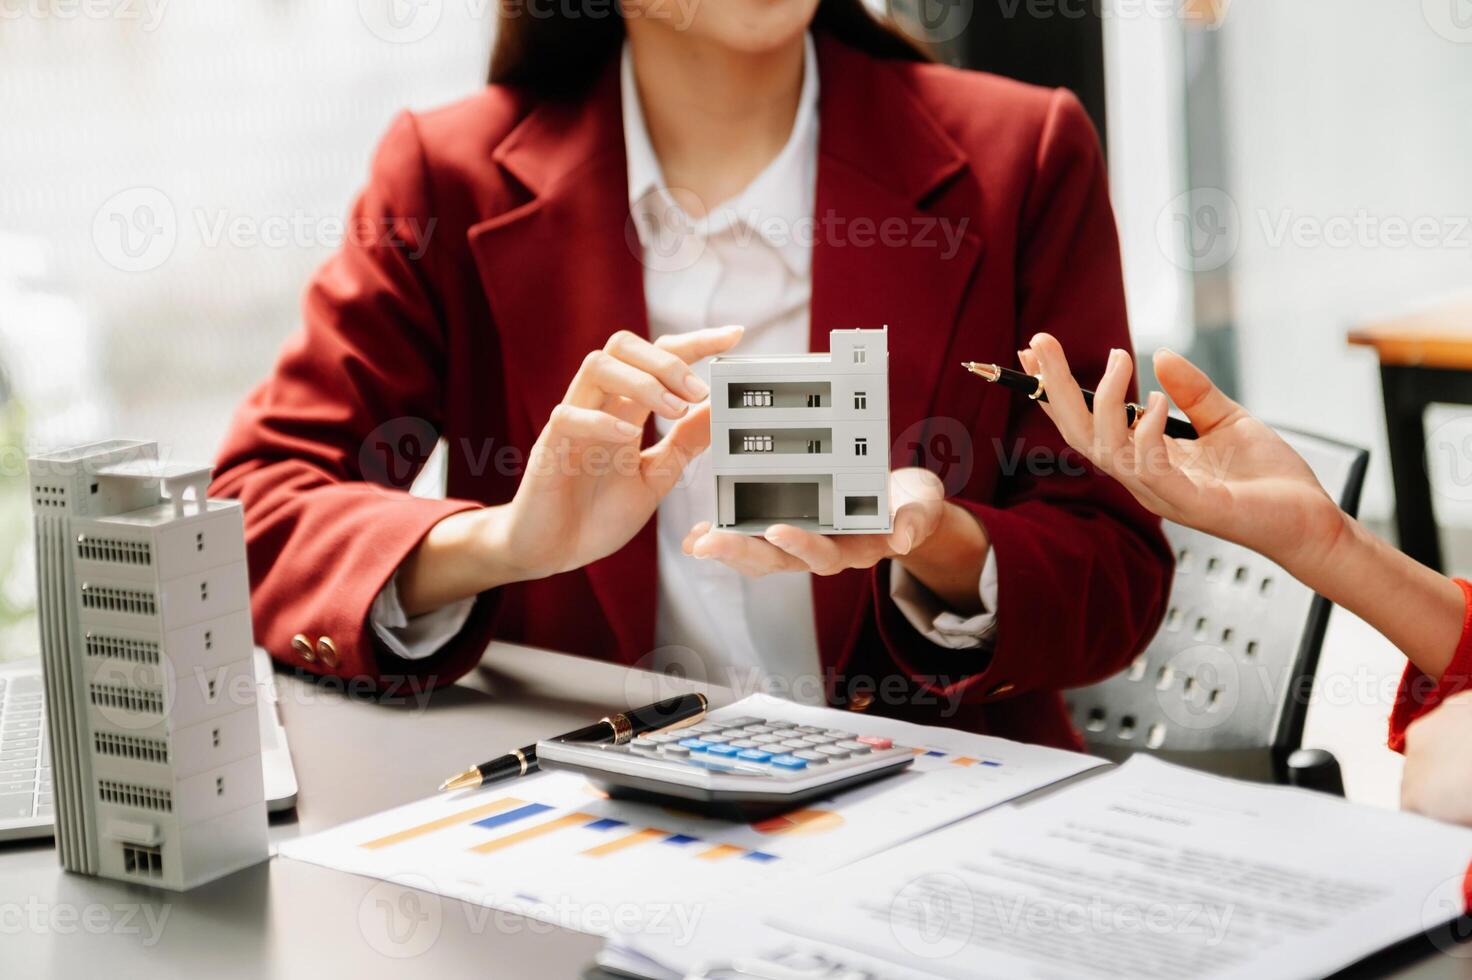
(1146, 871)
(664, 879)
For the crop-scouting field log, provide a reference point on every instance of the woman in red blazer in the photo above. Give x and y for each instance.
(1240, 481)
(497, 300)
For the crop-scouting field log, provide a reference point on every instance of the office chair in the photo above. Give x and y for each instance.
(1224, 686)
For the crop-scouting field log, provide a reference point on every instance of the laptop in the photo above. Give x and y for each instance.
(26, 808)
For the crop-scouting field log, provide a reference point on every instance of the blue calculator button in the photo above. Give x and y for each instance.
(788, 762)
(695, 744)
(754, 755)
(722, 750)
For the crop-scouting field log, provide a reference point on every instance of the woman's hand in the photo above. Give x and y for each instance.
(1239, 481)
(1437, 780)
(939, 542)
(588, 487)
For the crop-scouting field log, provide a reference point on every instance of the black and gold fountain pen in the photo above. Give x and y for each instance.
(676, 712)
(1033, 388)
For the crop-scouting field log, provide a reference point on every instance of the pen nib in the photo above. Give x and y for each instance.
(988, 371)
(468, 778)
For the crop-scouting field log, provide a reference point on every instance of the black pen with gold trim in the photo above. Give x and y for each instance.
(675, 712)
(1033, 388)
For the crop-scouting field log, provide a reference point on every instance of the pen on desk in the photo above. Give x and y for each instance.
(675, 712)
(1033, 388)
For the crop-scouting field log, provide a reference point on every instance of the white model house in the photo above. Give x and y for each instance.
(803, 439)
(146, 649)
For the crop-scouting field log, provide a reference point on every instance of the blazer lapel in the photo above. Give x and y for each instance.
(885, 163)
(561, 273)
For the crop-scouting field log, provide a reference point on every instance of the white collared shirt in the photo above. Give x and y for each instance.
(748, 261)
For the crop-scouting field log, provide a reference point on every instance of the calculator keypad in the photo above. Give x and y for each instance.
(772, 747)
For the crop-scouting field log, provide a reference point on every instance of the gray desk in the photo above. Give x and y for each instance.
(287, 920)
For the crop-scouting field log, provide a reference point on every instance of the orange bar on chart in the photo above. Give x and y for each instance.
(464, 816)
(628, 840)
(964, 760)
(566, 820)
(720, 852)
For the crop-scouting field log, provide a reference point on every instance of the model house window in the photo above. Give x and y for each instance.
(861, 400)
(815, 446)
(756, 398)
(815, 401)
(756, 444)
(861, 447)
(861, 355)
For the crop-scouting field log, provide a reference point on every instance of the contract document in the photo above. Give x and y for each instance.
(1148, 870)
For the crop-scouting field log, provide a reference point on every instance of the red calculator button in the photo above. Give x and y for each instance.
(876, 741)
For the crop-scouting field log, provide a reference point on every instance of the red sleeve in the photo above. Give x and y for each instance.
(322, 454)
(1083, 569)
(1419, 693)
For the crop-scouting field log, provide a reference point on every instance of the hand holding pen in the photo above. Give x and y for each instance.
(1237, 480)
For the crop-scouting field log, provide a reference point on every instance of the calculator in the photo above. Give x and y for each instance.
(741, 768)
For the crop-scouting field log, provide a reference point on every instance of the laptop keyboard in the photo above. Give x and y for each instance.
(25, 765)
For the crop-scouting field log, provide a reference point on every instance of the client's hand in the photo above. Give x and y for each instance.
(917, 499)
(1438, 776)
(1238, 481)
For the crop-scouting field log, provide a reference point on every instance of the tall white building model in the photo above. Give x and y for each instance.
(146, 647)
(803, 439)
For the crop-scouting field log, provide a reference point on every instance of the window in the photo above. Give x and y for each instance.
(815, 401)
(861, 400)
(756, 398)
(861, 355)
(861, 447)
(756, 444)
(861, 506)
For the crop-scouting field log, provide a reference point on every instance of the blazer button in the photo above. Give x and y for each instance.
(303, 647)
(327, 651)
(860, 701)
(1007, 687)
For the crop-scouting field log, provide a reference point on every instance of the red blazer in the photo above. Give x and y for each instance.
(492, 249)
(1420, 693)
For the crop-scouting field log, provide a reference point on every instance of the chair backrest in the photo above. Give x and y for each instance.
(1225, 683)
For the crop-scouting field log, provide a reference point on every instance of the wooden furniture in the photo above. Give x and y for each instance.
(1424, 357)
